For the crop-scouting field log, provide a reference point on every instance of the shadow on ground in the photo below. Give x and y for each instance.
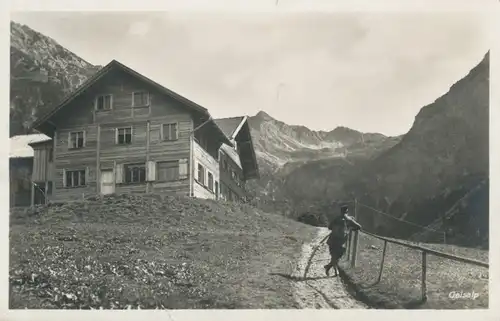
(302, 279)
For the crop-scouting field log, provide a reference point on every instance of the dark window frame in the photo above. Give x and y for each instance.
(101, 100)
(75, 178)
(144, 102)
(170, 131)
(201, 170)
(134, 173)
(123, 137)
(75, 141)
(210, 181)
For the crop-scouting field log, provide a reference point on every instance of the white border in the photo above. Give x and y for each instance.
(283, 6)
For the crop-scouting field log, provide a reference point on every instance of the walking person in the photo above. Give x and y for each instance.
(338, 236)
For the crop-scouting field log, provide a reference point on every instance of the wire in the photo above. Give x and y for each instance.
(398, 219)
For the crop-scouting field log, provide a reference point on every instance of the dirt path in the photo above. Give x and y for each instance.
(317, 291)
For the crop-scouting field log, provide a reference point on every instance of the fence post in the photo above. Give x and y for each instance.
(382, 262)
(349, 245)
(424, 274)
(355, 240)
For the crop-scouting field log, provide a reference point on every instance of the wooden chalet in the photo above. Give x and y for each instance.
(121, 132)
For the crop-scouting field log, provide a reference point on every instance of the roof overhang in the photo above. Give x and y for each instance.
(237, 129)
(46, 126)
(246, 150)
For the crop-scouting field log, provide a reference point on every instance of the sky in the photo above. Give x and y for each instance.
(371, 72)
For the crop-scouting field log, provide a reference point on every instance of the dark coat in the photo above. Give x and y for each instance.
(337, 237)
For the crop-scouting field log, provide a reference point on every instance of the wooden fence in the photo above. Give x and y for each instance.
(352, 255)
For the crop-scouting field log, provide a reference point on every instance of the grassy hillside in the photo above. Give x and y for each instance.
(130, 251)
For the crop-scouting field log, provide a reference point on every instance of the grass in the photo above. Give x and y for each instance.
(400, 285)
(132, 251)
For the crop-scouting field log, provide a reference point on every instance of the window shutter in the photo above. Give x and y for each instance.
(69, 140)
(116, 135)
(176, 131)
(151, 171)
(84, 133)
(119, 173)
(183, 168)
(87, 176)
(64, 178)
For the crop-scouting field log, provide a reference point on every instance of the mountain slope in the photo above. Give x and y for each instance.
(282, 149)
(42, 73)
(277, 143)
(442, 157)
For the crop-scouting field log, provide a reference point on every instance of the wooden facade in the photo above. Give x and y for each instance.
(30, 169)
(122, 133)
(43, 173)
(237, 163)
(231, 173)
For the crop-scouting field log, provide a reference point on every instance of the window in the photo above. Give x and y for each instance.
(217, 190)
(201, 174)
(140, 99)
(124, 135)
(76, 139)
(210, 181)
(135, 173)
(104, 102)
(224, 165)
(75, 178)
(168, 171)
(169, 131)
(51, 155)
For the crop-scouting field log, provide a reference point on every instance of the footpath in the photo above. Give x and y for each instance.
(316, 290)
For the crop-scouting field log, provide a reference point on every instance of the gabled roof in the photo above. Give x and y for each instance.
(229, 125)
(20, 145)
(232, 127)
(117, 65)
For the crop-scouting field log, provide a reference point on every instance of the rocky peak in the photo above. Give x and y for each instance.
(262, 115)
(42, 72)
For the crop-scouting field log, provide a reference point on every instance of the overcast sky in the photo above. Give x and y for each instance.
(371, 72)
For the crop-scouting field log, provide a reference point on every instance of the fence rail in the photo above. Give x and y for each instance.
(430, 251)
(425, 251)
